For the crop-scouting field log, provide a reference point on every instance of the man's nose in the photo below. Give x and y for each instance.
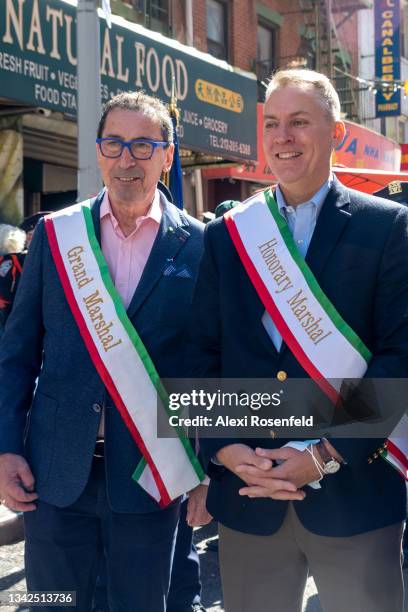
(126, 160)
(283, 134)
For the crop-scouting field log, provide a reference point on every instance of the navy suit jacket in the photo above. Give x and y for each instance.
(42, 340)
(359, 255)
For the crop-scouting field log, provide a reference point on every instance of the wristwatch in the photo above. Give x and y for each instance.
(330, 464)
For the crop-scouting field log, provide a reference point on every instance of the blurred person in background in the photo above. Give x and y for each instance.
(29, 224)
(12, 242)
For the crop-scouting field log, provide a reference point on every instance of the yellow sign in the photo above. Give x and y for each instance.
(219, 96)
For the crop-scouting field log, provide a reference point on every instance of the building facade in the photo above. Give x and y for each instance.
(221, 53)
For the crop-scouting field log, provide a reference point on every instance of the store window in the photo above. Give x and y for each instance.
(153, 14)
(265, 56)
(217, 29)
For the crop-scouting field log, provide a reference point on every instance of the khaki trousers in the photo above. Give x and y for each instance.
(361, 573)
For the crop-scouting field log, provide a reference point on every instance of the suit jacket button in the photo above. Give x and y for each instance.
(281, 376)
(96, 407)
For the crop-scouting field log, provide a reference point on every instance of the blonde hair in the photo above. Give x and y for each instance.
(12, 239)
(308, 79)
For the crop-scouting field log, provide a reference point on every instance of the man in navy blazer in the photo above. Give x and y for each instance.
(274, 528)
(78, 494)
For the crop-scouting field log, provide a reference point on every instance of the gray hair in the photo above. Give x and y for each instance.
(308, 79)
(140, 102)
(12, 239)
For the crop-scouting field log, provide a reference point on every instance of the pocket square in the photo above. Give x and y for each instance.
(181, 271)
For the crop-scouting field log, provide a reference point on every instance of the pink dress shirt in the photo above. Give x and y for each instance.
(126, 256)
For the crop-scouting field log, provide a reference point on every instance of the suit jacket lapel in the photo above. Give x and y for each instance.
(96, 214)
(330, 225)
(170, 238)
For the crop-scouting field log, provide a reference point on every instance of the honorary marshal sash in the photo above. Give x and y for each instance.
(323, 343)
(169, 466)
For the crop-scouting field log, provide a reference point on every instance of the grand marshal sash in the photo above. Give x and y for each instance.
(169, 466)
(323, 343)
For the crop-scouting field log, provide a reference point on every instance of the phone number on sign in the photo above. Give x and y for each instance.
(38, 598)
(230, 145)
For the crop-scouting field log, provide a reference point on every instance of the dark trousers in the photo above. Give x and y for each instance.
(64, 546)
(185, 585)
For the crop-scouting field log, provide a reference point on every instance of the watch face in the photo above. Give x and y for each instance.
(331, 467)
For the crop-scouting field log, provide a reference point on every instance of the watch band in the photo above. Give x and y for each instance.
(330, 464)
(323, 452)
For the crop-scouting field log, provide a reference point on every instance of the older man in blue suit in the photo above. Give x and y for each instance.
(69, 466)
(309, 241)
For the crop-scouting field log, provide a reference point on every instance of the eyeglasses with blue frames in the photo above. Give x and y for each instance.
(141, 148)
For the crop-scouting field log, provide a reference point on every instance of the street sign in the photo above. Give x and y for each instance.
(387, 57)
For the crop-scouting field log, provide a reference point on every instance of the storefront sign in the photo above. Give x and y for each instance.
(387, 57)
(364, 148)
(38, 58)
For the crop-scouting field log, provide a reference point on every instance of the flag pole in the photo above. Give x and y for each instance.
(174, 178)
(89, 97)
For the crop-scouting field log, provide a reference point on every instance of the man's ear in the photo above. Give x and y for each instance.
(168, 158)
(339, 133)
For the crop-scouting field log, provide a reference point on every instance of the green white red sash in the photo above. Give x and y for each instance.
(323, 343)
(169, 466)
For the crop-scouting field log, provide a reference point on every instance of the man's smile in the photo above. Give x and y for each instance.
(128, 179)
(288, 155)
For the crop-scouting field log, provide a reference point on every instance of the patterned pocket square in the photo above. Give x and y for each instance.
(181, 271)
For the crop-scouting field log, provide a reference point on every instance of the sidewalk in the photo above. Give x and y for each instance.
(11, 526)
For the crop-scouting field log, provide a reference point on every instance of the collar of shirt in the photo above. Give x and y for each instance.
(316, 200)
(154, 213)
(301, 219)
